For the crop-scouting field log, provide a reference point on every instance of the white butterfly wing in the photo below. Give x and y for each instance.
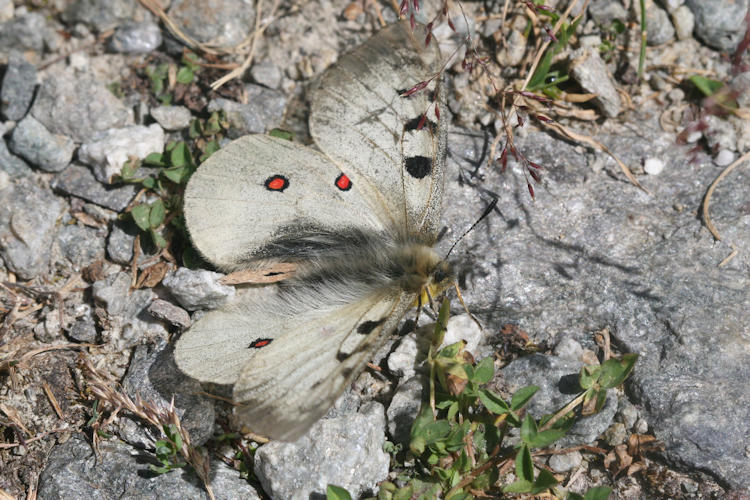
(359, 119)
(294, 381)
(259, 188)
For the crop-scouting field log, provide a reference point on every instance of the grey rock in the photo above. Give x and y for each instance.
(197, 289)
(407, 356)
(627, 413)
(569, 262)
(172, 117)
(37, 145)
(606, 11)
(404, 408)
(263, 111)
(718, 23)
(12, 165)
(266, 73)
(219, 22)
(154, 376)
(108, 151)
(568, 348)
(129, 322)
(100, 15)
(18, 87)
(22, 33)
(120, 245)
(78, 106)
(462, 327)
(684, 22)
(741, 83)
(720, 134)
(565, 462)
(81, 245)
(28, 216)
(136, 38)
(6, 10)
(659, 29)
(590, 71)
(83, 328)
(48, 330)
(78, 181)
(74, 470)
(166, 311)
(558, 382)
(616, 434)
(345, 451)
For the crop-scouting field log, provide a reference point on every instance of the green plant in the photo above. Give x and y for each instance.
(159, 76)
(459, 436)
(167, 451)
(545, 78)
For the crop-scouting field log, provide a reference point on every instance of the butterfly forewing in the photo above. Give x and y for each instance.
(259, 188)
(360, 119)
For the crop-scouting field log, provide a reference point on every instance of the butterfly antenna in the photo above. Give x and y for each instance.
(486, 212)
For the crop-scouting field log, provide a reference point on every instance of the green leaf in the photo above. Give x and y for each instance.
(128, 170)
(589, 376)
(598, 493)
(439, 335)
(528, 429)
(521, 486)
(140, 215)
(484, 371)
(706, 85)
(493, 402)
(155, 160)
(545, 438)
(435, 431)
(524, 464)
(337, 493)
(281, 134)
(185, 75)
(176, 174)
(149, 182)
(615, 371)
(522, 396)
(179, 155)
(156, 214)
(157, 238)
(544, 481)
(573, 496)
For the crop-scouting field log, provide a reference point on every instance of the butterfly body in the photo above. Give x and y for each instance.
(357, 222)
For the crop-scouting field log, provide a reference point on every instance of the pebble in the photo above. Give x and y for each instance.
(588, 69)
(565, 462)
(43, 149)
(136, 38)
(267, 74)
(172, 117)
(659, 29)
(724, 158)
(17, 89)
(12, 165)
(684, 22)
(110, 150)
(197, 289)
(653, 166)
(166, 311)
(78, 181)
(78, 106)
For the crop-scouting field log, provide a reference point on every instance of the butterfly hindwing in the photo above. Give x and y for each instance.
(295, 380)
(260, 188)
(360, 119)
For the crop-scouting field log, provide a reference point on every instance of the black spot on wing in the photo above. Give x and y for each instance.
(418, 166)
(369, 326)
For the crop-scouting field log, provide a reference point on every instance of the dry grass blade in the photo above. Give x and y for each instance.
(104, 391)
(707, 199)
(238, 72)
(52, 400)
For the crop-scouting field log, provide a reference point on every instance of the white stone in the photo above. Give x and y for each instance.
(653, 166)
(109, 151)
(724, 158)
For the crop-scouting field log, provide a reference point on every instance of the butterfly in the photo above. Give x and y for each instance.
(356, 223)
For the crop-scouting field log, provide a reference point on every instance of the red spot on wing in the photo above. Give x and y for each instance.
(257, 344)
(343, 182)
(277, 183)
